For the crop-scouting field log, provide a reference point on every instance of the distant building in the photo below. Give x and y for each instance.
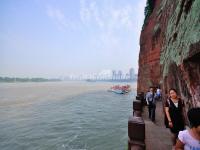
(132, 74)
(127, 76)
(119, 74)
(114, 75)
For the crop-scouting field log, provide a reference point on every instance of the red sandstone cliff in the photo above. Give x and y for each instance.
(170, 49)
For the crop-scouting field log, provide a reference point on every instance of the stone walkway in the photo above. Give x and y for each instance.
(158, 137)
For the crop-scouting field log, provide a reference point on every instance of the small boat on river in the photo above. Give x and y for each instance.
(120, 89)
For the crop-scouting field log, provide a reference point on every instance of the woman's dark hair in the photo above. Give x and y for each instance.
(172, 89)
(194, 117)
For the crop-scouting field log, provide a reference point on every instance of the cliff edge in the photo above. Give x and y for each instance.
(170, 49)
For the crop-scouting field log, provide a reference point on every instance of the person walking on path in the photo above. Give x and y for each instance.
(190, 139)
(151, 102)
(175, 118)
(158, 93)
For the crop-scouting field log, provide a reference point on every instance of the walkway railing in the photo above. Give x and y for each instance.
(136, 125)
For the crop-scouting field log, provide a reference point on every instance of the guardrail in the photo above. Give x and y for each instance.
(136, 125)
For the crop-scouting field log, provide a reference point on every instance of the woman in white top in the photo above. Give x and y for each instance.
(190, 139)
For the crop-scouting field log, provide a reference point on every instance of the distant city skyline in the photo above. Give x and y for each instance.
(104, 74)
(47, 38)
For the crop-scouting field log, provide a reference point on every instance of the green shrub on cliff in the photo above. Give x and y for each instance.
(148, 10)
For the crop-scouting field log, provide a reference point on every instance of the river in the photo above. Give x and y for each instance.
(63, 116)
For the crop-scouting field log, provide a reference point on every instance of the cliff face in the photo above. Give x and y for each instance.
(170, 49)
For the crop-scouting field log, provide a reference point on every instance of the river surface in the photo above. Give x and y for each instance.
(63, 116)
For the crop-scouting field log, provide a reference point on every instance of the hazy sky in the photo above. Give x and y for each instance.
(52, 38)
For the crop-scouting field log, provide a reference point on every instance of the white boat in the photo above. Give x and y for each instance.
(120, 89)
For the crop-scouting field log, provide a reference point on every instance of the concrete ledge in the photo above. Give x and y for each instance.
(136, 145)
(137, 113)
(139, 98)
(137, 105)
(136, 129)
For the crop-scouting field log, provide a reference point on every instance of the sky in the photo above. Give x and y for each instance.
(52, 38)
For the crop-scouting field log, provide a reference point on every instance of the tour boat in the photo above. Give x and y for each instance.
(120, 89)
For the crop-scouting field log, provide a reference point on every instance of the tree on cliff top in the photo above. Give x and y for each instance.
(148, 10)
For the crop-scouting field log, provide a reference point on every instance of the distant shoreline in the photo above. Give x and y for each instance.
(22, 80)
(19, 80)
(129, 81)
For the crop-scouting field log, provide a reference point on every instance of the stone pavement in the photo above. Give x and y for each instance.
(157, 136)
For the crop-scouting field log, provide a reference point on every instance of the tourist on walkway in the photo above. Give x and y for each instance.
(175, 114)
(151, 102)
(190, 139)
(158, 93)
